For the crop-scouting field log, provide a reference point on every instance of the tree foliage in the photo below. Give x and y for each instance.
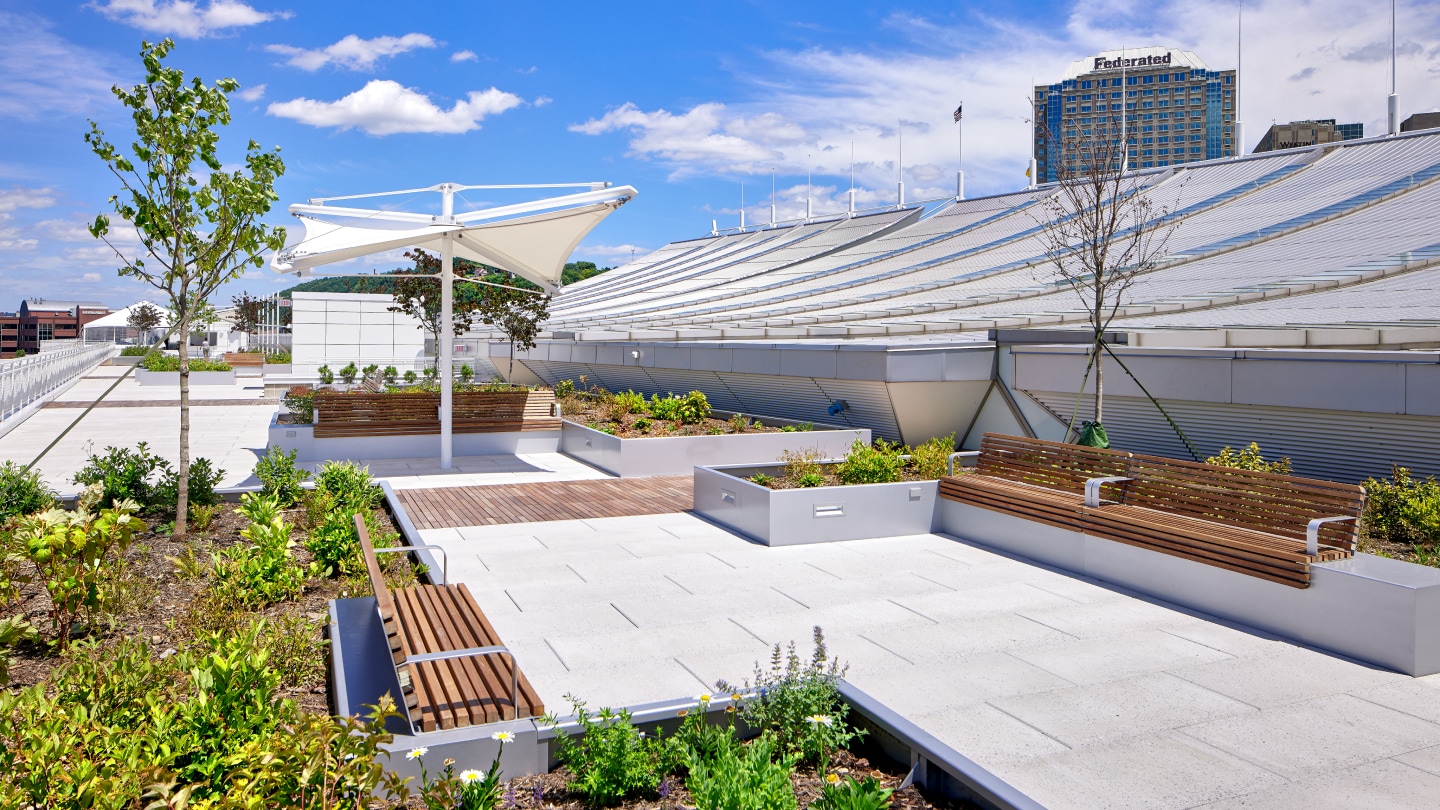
(419, 297)
(144, 317)
(249, 312)
(198, 225)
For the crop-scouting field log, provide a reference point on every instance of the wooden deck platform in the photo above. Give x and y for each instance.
(451, 507)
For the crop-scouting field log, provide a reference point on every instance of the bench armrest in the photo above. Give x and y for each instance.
(1312, 532)
(444, 558)
(1092, 488)
(950, 466)
(469, 652)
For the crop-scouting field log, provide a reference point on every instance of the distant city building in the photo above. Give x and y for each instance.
(1308, 133)
(1427, 120)
(39, 320)
(1177, 110)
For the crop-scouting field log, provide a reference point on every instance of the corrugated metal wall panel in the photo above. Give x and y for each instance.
(682, 380)
(867, 405)
(1334, 445)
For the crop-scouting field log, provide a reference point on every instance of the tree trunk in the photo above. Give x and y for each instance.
(1099, 385)
(511, 378)
(182, 502)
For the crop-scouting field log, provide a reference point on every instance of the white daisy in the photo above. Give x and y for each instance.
(503, 737)
(416, 753)
(819, 720)
(471, 775)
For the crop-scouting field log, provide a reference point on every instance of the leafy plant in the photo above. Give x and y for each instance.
(666, 408)
(931, 458)
(22, 492)
(852, 794)
(642, 424)
(610, 429)
(879, 463)
(467, 374)
(470, 790)
(300, 402)
(279, 476)
(564, 389)
(203, 516)
(170, 362)
(803, 427)
(347, 485)
(714, 430)
(335, 544)
(410, 377)
(14, 630)
(739, 423)
(621, 403)
(203, 480)
(327, 377)
(802, 462)
(1249, 458)
(1404, 510)
(262, 572)
(790, 696)
(810, 479)
(429, 372)
(694, 408)
(73, 553)
(123, 474)
(347, 374)
(279, 357)
(610, 761)
(389, 375)
(750, 777)
(762, 479)
(369, 371)
(134, 351)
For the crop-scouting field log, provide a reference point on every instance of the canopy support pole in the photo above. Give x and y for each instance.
(447, 344)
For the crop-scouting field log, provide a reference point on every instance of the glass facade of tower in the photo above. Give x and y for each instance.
(1175, 111)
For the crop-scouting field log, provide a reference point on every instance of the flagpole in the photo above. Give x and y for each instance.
(960, 145)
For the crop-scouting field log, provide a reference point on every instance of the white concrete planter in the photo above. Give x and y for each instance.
(788, 517)
(118, 360)
(1370, 608)
(678, 455)
(301, 438)
(275, 368)
(172, 378)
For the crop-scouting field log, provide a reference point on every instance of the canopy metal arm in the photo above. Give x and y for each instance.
(442, 187)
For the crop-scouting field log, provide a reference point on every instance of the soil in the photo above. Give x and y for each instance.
(1399, 551)
(592, 415)
(807, 782)
(159, 599)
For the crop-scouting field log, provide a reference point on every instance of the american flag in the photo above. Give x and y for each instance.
(958, 115)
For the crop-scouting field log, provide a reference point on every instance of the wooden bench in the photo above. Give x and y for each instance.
(341, 414)
(1261, 524)
(237, 359)
(451, 665)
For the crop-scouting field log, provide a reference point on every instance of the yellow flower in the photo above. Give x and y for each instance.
(471, 775)
(735, 697)
(416, 753)
(503, 737)
(704, 697)
(682, 713)
(832, 779)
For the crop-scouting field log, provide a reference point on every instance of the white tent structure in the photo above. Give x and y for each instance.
(531, 239)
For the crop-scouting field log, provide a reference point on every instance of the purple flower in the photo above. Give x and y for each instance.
(539, 794)
(510, 796)
(665, 788)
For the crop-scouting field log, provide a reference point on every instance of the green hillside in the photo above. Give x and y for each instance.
(574, 271)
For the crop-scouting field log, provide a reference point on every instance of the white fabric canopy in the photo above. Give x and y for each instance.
(532, 240)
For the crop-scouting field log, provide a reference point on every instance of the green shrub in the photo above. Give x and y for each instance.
(642, 424)
(279, 476)
(389, 375)
(762, 479)
(666, 408)
(347, 374)
(430, 373)
(931, 459)
(14, 630)
(802, 462)
(610, 761)
(879, 463)
(1251, 459)
(262, 572)
(278, 357)
(467, 374)
(369, 371)
(22, 492)
(410, 377)
(348, 485)
(203, 480)
(565, 388)
(850, 794)
(134, 351)
(171, 362)
(810, 479)
(739, 423)
(1403, 510)
(327, 377)
(610, 429)
(789, 698)
(123, 474)
(74, 555)
(300, 402)
(750, 777)
(622, 403)
(694, 408)
(803, 427)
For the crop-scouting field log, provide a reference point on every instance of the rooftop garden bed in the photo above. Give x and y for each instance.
(629, 415)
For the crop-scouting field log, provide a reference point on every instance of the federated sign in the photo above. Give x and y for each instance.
(1101, 63)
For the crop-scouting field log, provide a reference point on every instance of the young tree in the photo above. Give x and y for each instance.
(1101, 228)
(420, 297)
(143, 318)
(198, 225)
(249, 312)
(515, 307)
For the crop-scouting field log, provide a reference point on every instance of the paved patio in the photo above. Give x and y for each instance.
(1081, 696)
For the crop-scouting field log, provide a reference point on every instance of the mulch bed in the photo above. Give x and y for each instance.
(161, 600)
(807, 782)
(833, 480)
(592, 415)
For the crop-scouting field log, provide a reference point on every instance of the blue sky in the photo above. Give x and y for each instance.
(683, 101)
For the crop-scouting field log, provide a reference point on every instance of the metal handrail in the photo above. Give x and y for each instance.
(467, 653)
(950, 464)
(27, 379)
(1092, 488)
(1312, 532)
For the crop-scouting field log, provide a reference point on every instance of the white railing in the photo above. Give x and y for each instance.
(24, 380)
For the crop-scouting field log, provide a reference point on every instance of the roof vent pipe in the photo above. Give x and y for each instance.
(1394, 100)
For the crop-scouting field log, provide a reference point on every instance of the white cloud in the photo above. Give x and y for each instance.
(384, 107)
(252, 93)
(17, 198)
(43, 75)
(608, 255)
(90, 277)
(352, 52)
(185, 19)
(464, 56)
(1297, 64)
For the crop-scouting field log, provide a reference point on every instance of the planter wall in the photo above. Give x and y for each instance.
(678, 455)
(124, 361)
(172, 378)
(1370, 608)
(302, 439)
(788, 517)
(276, 368)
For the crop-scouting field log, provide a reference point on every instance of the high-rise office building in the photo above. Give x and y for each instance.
(1308, 133)
(1175, 110)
